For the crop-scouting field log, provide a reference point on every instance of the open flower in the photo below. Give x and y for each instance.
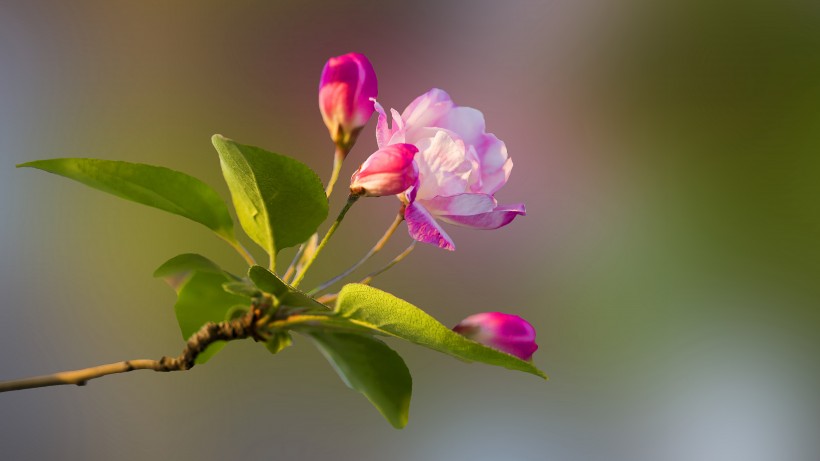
(505, 332)
(461, 167)
(388, 171)
(346, 89)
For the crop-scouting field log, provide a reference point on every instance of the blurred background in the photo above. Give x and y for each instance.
(667, 153)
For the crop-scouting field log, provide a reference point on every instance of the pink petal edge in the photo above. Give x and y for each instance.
(499, 217)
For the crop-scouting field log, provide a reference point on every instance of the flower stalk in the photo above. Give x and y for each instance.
(396, 260)
(338, 159)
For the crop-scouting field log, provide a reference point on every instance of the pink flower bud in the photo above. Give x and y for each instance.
(388, 171)
(505, 332)
(347, 84)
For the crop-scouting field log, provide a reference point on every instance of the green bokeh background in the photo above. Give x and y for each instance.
(667, 153)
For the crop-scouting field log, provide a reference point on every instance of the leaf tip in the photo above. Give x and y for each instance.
(218, 139)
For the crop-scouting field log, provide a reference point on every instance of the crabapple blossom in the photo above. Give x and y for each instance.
(461, 167)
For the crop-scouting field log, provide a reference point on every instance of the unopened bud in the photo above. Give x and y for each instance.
(388, 171)
(347, 84)
(505, 332)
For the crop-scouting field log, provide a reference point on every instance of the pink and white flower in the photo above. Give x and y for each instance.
(505, 332)
(461, 167)
(346, 89)
(388, 171)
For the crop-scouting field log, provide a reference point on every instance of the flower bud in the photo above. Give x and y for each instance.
(505, 332)
(388, 171)
(347, 84)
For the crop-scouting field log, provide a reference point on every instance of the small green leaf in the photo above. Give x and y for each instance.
(201, 299)
(186, 262)
(268, 282)
(280, 202)
(241, 289)
(395, 317)
(154, 186)
(176, 270)
(280, 340)
(368, 366)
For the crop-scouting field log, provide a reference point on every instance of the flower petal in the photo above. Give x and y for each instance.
(385, 134)
(422, 227)
(467, 122)
(443, 166)
(428, 109)
(383, 130)
(499, 217)
(461, 204)
(495, 164)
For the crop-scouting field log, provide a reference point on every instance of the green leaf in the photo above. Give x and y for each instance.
(396, 317)
(176, 270)
(280, 202)
(184, 263)
(201, 299)
(242, 289)
(268, 282)
(154, 186)
(368, 366)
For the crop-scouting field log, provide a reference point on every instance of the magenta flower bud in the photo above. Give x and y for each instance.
(388, 171)
(345, 90)
(505, 332)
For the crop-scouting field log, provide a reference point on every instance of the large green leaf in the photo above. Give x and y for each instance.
(367, 365)
(280, 202)
(154, 186)
(200, 300)
(394, 316)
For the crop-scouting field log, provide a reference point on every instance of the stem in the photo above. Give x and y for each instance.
(396, 260)
(338, 158)
(376, 248)
(209, 333)
(351, 199)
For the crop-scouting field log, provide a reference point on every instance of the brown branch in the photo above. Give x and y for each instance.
(240, 328)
